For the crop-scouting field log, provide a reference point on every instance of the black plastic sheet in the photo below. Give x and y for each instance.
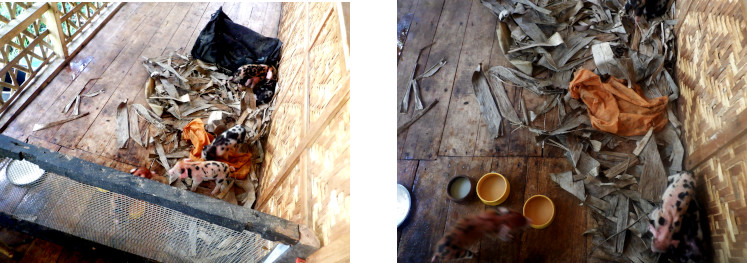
(231, 45)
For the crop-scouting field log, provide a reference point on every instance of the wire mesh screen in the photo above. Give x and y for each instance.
(126, 223)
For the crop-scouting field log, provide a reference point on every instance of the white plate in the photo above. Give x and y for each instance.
(22, 172)
(403, 204)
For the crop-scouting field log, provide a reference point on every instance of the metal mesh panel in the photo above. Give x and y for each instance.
(126, 223)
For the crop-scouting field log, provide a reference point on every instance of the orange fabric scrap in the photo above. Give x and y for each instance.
(195, 132)
(615, 108)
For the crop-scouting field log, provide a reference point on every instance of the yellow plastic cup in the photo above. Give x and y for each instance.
(540, 210)
(493, 189)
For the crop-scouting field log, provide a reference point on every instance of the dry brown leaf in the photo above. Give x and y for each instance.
(123, 123)
(488, 107)
(135, 127)
(41, 126)
(431, 71)
(402, 128)
(554, 40)
(565, 180)
(498, 92)
(504, 37)
(653, 177)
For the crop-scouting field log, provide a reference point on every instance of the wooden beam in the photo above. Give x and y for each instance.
(343, 14)
(75, 9)
(722, 138)
(307, 245)
(215, 211)
(319, 30)
(54, 27)
(330, 111)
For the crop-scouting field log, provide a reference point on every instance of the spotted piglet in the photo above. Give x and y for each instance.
(203, 171)
(224, 142)
(665, 222)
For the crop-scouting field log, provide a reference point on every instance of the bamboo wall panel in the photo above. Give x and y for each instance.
(710, 67)
(288, 119)
(710, 71)
(329, 64)
(724, 180)
(329, 170)
(310, 134)
(287, 202)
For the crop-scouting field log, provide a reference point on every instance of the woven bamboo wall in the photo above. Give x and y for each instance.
(306, 173)
(711, 42)
(711, 66)
(723, 178)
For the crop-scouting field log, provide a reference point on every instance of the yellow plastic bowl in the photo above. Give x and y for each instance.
(493, 189)
(540, 210)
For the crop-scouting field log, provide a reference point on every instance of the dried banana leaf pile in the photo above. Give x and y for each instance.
(620, 179)
(181, 89)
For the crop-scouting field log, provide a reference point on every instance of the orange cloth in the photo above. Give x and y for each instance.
(195, 132)
(615, 108)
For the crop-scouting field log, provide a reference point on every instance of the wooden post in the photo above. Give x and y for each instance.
(54, 25)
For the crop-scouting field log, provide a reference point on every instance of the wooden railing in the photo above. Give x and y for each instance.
(35, 35)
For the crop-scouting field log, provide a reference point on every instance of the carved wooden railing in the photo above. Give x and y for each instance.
(37, 40)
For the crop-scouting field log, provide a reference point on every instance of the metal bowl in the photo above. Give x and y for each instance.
(22, 172)
(403, 204)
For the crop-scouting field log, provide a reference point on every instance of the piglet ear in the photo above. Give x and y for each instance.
(187, 160)
(269, 74)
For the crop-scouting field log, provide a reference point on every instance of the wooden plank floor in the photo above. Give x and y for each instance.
(452, 139)
(112, 62)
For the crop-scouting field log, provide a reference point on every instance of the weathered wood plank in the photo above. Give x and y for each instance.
(424, 137)
(515, 170)
(21, 125)
(42, 143)
(570, 219)
(430, 203)
(406, 175)
(485, 145)
(473, 168)
(272, 20)
(103, 108)
(422, 32)
(406, 172)
(207, 208)
(173, 33)
(464, 116)
(211, 8)
(257, 19)
(94, 70)
(405, 7)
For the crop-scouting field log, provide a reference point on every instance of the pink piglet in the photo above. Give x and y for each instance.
(200, 171)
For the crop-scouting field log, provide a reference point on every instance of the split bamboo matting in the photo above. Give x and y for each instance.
(306, 173)
(712, 51)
